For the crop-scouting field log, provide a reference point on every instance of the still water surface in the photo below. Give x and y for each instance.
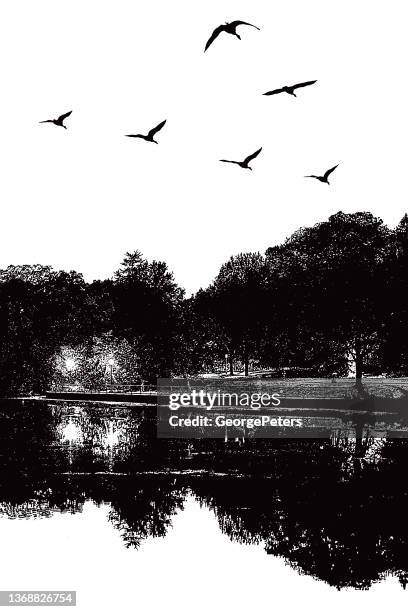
(91, 486)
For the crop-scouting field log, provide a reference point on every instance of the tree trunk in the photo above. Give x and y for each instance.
(359, 367)
(246, 364)
(246, 359)
(231, 363)
(359, 451)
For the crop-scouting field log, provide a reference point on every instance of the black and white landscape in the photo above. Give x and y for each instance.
(193, 191)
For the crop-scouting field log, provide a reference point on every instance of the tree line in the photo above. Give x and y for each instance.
(329, 293)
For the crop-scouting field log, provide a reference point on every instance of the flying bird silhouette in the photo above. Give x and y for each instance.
(324, 178)
(289, 89)
(229, 28)
(150, 135)
(59, 121)
(243, 164)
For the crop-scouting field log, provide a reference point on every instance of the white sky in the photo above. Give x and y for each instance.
(79, 198)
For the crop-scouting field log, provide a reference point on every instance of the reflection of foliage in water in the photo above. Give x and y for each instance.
(348, 529)
(145, 509)
(328, 512)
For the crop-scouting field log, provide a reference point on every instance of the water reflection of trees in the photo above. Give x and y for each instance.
(320, 505)
(138, 507)
(146, 509)
(49, 462)
(348, 529)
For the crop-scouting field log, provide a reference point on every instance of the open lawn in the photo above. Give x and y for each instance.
(312, 388)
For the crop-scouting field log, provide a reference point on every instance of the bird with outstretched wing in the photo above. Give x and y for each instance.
(245, 162)
(325, 177)
(229, 28)
(59, 121)
(149, 137)
(290, 89)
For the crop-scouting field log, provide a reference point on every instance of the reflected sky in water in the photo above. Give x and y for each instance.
(194, 567)
(90, 485)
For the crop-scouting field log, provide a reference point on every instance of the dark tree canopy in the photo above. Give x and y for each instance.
(330, 292)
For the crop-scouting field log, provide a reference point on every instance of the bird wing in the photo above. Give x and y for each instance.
(64, 116)
(213, 36)
(134, 135)
(328, 173)
(229, 161)
(248, 159)
(273, 92)
(235, 24)
(305, 84)
(46, 121)
(156, 129)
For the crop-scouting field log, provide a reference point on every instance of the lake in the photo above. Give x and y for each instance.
(91, 485)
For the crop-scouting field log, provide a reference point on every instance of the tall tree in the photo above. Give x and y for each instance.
(395, 346)
(338, 270)
(40, 309)
(146, 308)
(236, 301)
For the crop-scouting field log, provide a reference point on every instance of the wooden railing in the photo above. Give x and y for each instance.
(129, 389)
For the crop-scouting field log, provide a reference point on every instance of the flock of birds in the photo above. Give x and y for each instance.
(228, 28)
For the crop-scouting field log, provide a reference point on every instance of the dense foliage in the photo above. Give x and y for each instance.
(331, 292)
